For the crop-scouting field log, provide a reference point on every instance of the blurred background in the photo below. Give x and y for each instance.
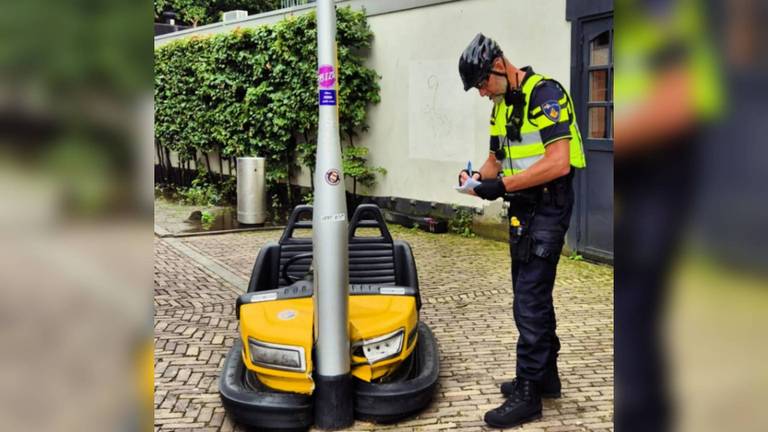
(691, 264)
(691, 205)
(75, 219)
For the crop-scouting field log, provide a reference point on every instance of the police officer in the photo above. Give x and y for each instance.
(667, 91)
(534, 147)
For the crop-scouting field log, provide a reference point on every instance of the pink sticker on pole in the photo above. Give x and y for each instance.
(326, 77)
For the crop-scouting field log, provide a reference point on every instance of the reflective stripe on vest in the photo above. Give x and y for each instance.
(521, 155)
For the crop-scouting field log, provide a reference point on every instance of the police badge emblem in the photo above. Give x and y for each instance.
(551, 110)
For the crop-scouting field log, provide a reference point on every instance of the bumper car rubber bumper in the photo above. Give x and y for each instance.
(407, 395)
(250, 402)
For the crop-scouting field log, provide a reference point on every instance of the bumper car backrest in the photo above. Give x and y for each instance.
(266, 270)
(379, 260)
(373, 260)
(290, 246)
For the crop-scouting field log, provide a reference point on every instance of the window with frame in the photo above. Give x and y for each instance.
(600, 97)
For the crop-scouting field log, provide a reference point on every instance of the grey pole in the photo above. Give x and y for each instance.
(333, 381)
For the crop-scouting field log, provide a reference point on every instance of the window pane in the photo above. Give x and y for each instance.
(597, 122)
(598, 85)
(598, 50)
(611, 122)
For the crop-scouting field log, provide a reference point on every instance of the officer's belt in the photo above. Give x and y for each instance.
(535, 193)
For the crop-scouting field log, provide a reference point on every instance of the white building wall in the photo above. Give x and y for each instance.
(426, 127)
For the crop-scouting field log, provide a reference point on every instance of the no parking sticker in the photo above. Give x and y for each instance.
(332, 177)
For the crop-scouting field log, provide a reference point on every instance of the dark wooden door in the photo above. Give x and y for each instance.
(593, 97)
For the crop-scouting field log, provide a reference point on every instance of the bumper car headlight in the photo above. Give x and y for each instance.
(380, 348)
(277, 356)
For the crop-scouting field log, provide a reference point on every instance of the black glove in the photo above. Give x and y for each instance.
(470, 174)
(490, 189)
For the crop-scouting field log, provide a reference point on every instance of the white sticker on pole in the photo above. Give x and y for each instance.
(338, 217)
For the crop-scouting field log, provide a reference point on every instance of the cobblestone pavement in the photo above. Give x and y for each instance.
(467, 295)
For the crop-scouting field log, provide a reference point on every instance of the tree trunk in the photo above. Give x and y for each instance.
(171, 173)
(164, 166)
(183, 169)
(191, 172)
(221, 167)
(287, 162)
(354, 179)
(187, 174)
(288, 185)
(208, 165)
(160, 163)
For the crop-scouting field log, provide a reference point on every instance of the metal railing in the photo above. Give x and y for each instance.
(291, 3)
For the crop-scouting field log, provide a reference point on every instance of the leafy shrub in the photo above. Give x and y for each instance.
(354, 164)
(199, 195)
(308, 198)
(461, 222)
(202, 192)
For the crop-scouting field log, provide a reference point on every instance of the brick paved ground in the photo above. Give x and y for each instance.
(468, 305)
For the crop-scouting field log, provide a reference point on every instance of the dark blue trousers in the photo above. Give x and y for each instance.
(533, 278)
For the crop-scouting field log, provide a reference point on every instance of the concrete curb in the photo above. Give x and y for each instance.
(236, 230)
(163, 233)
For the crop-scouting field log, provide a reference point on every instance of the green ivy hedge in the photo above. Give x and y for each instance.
(254, 92)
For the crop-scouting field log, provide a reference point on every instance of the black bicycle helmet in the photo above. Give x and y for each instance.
(477, 59)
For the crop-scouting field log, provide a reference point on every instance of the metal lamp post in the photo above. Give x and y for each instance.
(333, 382)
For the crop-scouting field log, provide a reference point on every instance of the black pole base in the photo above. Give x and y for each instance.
(334, 401)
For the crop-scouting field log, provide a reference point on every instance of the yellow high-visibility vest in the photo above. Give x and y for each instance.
(520, 155)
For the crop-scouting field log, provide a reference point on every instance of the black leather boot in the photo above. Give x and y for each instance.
(550, 386)
(523, 405)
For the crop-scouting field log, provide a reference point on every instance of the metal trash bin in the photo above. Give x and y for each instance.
(251, 190)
